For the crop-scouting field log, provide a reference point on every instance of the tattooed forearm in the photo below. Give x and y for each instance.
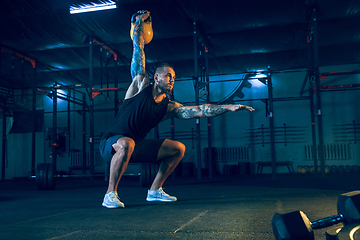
(181, 112)
(209, 110)
(188, 113)
(138, 57)
(206, 110)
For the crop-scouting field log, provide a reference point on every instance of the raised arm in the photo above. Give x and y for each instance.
(139, 82)
(138, 57)
(140, 79)
(207, 110)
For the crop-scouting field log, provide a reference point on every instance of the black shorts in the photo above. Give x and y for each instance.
(145, 150)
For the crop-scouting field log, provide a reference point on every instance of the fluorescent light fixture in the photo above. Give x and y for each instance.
(91, 7)
(259, 75)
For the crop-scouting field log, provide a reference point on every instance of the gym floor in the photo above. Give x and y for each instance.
(223, 207)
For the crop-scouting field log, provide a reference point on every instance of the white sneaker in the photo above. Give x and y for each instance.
(112, 200)
(159, 195)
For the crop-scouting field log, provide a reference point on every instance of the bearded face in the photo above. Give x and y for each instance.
(165, 78)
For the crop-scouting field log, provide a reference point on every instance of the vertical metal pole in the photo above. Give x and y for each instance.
(54, 133)
(196, 79)
(84, 133)
(33, 119)
(172, 122)
(3, 155)
(271, 118)
(313, 129)
(0, 60)
(315, 65)
(207, 80)
(116, 94)
(68, 120)
(172, 129)
(91, 81)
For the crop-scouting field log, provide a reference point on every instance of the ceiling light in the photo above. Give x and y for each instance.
(91, 7)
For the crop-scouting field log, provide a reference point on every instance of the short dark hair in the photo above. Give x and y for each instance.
(162, 65)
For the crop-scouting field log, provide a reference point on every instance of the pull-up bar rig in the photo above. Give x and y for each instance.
(54, 94)
(92, 94)
(33, 121)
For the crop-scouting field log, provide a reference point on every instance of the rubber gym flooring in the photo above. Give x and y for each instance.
(223, 207)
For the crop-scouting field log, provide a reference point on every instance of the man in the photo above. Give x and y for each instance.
(144, 107)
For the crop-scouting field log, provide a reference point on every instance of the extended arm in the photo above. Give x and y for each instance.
(207, 110)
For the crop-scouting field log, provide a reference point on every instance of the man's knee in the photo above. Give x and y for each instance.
(178, 148)
(171, 148)
(124, 145)
(181, 148)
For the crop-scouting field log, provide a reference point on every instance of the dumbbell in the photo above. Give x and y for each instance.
(348, 232)
(296, 225)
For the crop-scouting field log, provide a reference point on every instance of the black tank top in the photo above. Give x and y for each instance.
(138, 115)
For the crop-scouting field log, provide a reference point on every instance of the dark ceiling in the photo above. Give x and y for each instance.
(241, 36)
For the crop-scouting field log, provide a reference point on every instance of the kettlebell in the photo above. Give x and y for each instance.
(146, 28)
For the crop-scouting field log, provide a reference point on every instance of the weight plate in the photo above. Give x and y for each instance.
(50, 177)
(145, 175)
(351, 231)
(41, 172)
